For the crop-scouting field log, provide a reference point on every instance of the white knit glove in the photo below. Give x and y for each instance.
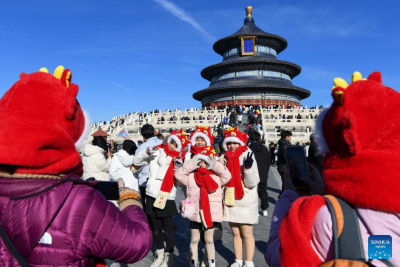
(151, 150)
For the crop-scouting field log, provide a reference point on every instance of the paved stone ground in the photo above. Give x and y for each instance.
(224, 248)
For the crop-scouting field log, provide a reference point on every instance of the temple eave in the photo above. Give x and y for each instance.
(301, 92)
(288, 68)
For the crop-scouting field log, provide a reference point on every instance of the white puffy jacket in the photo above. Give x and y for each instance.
(121, 168)
(159, 163)
(246, 209)
(94, 163)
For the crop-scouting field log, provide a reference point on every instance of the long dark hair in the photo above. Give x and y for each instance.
(100, 141)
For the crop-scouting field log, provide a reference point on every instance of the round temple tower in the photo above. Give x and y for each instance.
(250, 72)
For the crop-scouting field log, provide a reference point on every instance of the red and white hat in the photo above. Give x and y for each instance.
(234, 136)
(207, 152)
(203, 132)
(180, 139)
(42, 124)
(359, 135)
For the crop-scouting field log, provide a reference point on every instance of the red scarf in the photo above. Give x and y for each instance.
(207, 185)
(168, 182)
(234, 167)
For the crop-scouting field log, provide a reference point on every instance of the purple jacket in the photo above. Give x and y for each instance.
(68, 225)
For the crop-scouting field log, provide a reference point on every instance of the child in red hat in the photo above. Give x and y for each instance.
(241, 197)
(161, 192)
(203, 176)
(360, 170)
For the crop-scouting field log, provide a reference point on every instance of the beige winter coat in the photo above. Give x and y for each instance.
(185, 176)
(245, 210)
(159, 163)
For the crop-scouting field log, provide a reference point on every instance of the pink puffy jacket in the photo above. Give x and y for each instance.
(185, 176)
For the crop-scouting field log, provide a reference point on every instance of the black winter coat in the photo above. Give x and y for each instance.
(283, 143)
(263, 158)
(314, 157)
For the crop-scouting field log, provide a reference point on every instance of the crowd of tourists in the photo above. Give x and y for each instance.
(159, 165)
(51, 214)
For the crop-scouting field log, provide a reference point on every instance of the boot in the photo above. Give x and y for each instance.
(168, 260)
(194, 263)
(158, 258)
(211, 263)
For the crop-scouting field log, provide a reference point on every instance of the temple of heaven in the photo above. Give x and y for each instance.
(250, 72)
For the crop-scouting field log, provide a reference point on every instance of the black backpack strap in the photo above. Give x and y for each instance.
(11, 248)
(89, 183)
(346, 230)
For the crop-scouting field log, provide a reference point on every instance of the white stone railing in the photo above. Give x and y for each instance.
(301, 137)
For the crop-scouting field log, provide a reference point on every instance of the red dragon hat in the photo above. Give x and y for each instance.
(203, 132)
(42, 125)
(234, 136)
(359, 136)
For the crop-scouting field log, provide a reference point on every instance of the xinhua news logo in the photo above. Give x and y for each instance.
(380, 247)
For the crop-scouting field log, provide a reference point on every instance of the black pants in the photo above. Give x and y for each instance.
(262, 193)
(282, 174)
(158, 225)
(142, 190)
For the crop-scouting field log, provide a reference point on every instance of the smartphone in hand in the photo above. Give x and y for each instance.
(298, 165)
(109, 189)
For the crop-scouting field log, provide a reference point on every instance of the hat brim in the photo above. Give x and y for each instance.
(202, 135)
(177, 141)
(232, 139)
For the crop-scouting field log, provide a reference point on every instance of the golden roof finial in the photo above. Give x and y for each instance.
(249, 10)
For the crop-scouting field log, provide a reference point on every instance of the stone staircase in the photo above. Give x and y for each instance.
(242, 127)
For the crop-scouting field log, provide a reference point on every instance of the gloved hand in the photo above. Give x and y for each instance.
(210, 163)
(196, 161)
(127, 196)
(151, 150)
(178, 162)
(248, 162)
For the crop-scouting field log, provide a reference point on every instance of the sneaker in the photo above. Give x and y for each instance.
(158, 258)
(237, 263)
(249, 264)
(211, 263)
(264, 213)
(168, 260)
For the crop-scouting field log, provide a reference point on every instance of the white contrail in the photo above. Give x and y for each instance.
(109, 64)
(183, 15)
(165, 81)
(120, 86)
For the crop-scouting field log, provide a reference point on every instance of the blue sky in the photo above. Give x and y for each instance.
(130, 55)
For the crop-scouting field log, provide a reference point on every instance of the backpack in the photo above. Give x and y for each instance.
(349, 249)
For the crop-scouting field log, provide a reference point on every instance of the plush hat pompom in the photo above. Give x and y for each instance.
(234, 136)
(42, 123)
(203, 132)
(360, 130)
